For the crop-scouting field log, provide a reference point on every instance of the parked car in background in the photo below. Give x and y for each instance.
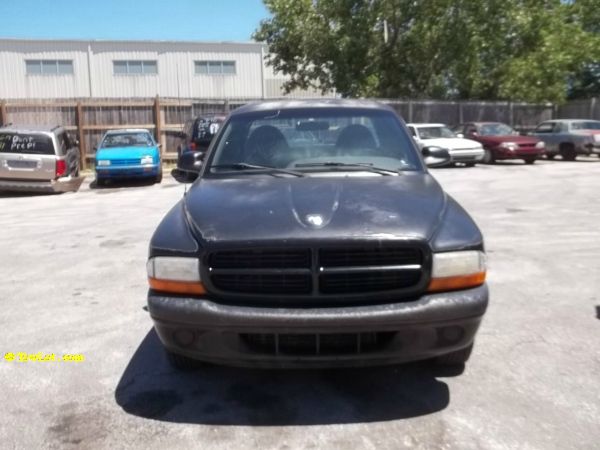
(569, 138)
(38, 159)
(461, 150)
(315, 236)
(501, 141)
(196, 138)
(129, 153)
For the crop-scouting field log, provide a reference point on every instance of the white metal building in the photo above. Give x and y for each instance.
(36, 69)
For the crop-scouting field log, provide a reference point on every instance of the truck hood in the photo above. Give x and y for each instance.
(265, 208)
(115, 153)
(452, 143)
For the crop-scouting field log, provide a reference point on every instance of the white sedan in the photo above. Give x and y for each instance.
(461, 150)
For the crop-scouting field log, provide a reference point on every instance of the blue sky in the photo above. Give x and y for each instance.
(212, 20)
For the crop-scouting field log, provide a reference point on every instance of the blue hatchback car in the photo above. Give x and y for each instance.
(129, 153)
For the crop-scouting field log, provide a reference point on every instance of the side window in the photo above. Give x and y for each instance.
(561, 127)
(412, 131)
(547, 127)
(62, 142)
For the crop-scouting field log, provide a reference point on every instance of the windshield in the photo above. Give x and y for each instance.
(496, 129)
(128, 140)
(312, 140)
(592, 125)
(435, 132)
(39, 144)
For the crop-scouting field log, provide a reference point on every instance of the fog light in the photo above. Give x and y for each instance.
(450, 335)
(184, 338)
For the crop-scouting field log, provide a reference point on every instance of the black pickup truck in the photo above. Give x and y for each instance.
(315, 236)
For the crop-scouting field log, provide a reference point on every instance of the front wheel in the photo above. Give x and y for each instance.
(568, 153)
(469, 164)
(488, 156)
(530, 160)
(455, 358)
(158, 178)
(550, 156)
(100, 182)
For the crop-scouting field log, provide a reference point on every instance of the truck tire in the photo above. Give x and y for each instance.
(529, 160)
(455, 358)
(550, 156)
(568, 152)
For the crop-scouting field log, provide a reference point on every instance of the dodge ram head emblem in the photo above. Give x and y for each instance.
(315, 220)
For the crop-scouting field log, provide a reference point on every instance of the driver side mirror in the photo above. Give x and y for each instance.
(436, 156)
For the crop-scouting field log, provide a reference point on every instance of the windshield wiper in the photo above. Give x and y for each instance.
(362, 166)
(246, 166)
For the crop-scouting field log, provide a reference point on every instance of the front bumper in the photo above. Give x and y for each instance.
(139, 171)
(431, 326)
(474, 155)
(65, 184)
(504, 153)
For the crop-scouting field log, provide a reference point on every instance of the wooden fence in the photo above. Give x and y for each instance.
(88, 119)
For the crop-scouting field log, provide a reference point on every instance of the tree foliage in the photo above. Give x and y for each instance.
(530, 50)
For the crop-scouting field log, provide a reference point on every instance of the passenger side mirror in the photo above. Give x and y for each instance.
(436, 156)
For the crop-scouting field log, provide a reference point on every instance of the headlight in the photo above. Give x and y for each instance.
(509, 145)
(457, 270)
(104, 162)
(174, 274)
(540, 144)
(147, 160)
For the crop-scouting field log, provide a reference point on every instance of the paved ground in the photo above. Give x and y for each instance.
(73, 281)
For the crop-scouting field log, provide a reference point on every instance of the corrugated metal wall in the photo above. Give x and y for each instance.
(15, 83)
(176, 76)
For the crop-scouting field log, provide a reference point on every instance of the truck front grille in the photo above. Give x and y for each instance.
(325, 271)
(125, 162)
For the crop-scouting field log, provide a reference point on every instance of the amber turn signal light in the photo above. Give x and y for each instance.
(177, 287)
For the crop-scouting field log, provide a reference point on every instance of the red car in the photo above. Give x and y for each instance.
(500, 141)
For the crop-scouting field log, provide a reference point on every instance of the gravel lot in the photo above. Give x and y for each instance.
(73, 281)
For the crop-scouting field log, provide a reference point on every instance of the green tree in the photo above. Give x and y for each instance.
(490, 49)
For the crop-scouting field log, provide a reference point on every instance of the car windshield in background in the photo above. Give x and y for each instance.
(128, 140)
(585, 125)
(37, 144)
(316, 140)
(435, 132)
(496, 129)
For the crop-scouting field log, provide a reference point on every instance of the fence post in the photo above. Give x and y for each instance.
(3, 113)
(410, 111)
(592, 107)
(80, 136)
(511, 114)
(157, 123)
(460, 113)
